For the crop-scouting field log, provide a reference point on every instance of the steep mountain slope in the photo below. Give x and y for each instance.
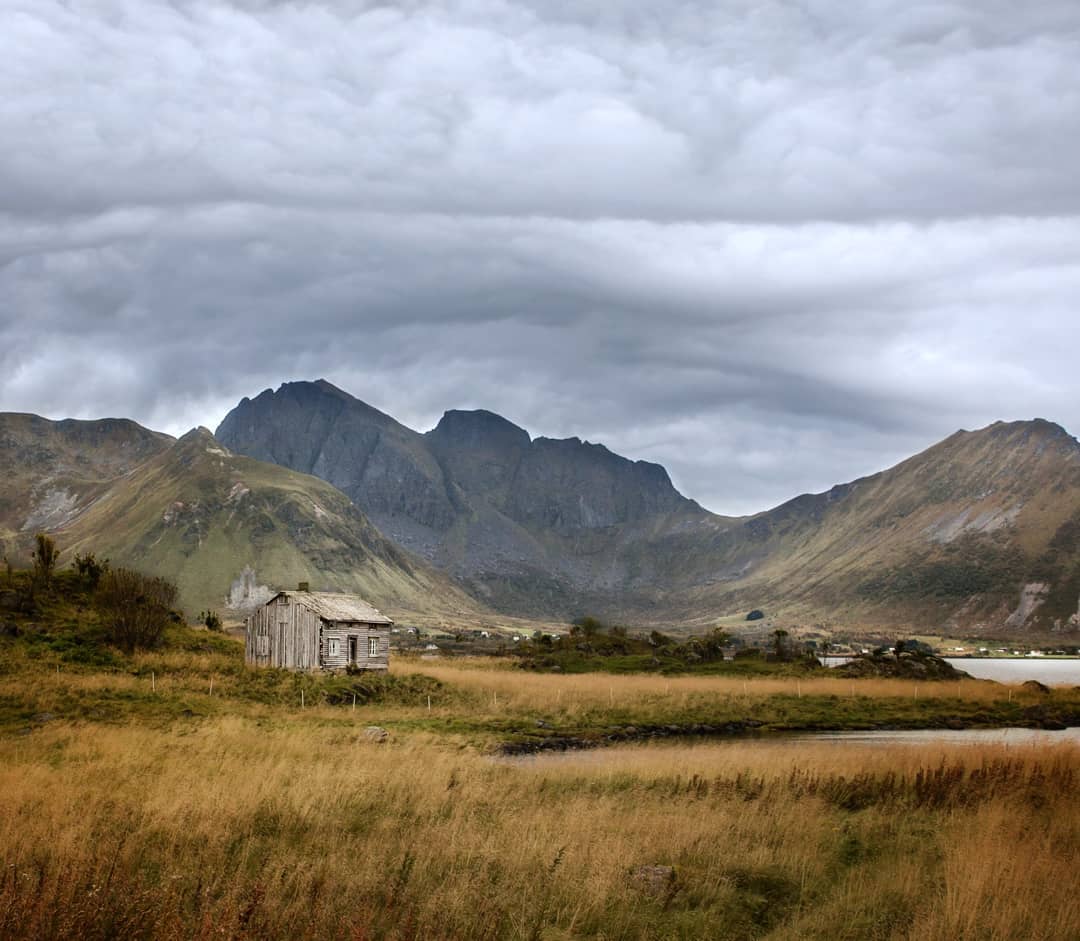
(958, 537)
(536, 527)
(314, 428)
(979, 533)
(52, 471)
(225, 526)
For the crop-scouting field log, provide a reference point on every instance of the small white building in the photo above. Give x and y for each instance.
(317, 630)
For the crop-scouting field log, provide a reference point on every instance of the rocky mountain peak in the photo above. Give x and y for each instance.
(478, 428)
(199, 435)
(1034, 432)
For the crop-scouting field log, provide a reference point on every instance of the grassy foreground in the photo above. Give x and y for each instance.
(177, 794)
(246, 827)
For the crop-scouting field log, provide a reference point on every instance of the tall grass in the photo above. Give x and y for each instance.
(284, 827)
(485, 703)
(539, 690)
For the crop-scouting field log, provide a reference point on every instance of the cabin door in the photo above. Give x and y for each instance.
(352, 649)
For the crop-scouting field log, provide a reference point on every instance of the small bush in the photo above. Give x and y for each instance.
(45, 556)
(90, 569)
(135, 608)
(211, 620)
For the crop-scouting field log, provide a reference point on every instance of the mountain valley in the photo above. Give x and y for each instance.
(477, 522)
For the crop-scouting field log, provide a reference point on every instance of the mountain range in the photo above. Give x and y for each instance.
(226, 528)
(476, 520)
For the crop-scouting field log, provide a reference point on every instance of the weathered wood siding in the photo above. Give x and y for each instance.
(341, 631)
(293, 636)
(283, 635)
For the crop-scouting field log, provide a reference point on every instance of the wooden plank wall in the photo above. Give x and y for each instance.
(341, 631)
(294, 637)
(282, 635)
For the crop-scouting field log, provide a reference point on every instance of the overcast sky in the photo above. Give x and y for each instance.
(771, 244)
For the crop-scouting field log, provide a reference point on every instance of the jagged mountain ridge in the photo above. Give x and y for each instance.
(953, 537)
(534, 526)
(980, 533)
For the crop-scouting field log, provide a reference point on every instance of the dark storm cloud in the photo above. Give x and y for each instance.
(771, 245)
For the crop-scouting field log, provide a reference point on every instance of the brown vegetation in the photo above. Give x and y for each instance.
(243, 828)
(135, 608)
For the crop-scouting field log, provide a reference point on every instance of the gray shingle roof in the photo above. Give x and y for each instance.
(335, 606)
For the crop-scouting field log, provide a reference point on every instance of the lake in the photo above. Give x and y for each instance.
(1064, 672)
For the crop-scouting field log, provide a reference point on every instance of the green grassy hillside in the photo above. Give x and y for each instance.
(948, 539)
(200, 515)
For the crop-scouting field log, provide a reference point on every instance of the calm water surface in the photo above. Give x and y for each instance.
(1050, 672)
(613, 755)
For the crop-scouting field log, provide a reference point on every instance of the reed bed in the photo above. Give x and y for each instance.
(547, 690)
(289, 826)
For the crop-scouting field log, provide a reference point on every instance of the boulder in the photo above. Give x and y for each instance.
(654, 880)
(375, 733)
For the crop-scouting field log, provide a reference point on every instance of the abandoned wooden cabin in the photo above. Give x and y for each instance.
(317, 630)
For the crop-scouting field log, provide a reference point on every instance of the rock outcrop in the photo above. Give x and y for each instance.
(906, 665)
(1032, 597)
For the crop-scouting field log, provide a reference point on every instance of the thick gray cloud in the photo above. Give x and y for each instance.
(772, 245)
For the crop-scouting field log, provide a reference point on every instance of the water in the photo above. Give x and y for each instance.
(942, 737)
(612, 755)
(1065, 672)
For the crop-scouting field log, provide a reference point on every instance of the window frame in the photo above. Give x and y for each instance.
(333, 646)
(373, 646)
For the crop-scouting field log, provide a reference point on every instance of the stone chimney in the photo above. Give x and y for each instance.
(303, 586)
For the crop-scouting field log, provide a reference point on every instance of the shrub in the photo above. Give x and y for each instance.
(589, 626)
(136, 608)
(90, 569)
(781, 648)
(45, 556)
(211, 620)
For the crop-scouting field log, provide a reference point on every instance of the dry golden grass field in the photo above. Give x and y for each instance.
(140, 805)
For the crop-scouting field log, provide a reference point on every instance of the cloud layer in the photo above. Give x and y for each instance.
(772, 245)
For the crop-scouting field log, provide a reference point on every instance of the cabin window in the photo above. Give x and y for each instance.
(333, 647)
(283, 599)
(373, 646)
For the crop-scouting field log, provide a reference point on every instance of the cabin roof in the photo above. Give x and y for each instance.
(337, 606)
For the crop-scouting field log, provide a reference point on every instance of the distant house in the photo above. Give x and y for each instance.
(317, 630)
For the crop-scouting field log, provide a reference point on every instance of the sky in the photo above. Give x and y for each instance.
(772, 245)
